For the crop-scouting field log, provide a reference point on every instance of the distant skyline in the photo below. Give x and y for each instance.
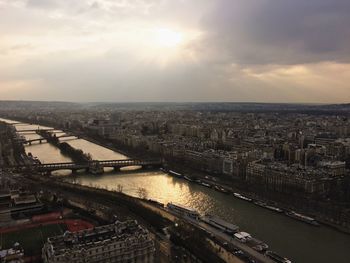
(175, 50)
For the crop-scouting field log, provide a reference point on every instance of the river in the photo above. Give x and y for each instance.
(298, 241)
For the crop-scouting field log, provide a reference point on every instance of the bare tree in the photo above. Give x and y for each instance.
(119, 188)
(142, 193)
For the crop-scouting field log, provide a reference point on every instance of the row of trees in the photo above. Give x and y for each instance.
(194, 240)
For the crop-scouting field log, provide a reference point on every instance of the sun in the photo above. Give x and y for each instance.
(166, 45)
(167, 38)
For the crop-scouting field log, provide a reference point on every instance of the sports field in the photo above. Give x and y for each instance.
(31, 239)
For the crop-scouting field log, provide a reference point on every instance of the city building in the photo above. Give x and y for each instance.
(119, 242)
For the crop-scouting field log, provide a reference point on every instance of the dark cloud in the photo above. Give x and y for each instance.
(233, 50)
(280, 31)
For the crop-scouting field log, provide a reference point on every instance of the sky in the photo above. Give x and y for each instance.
(175, 50)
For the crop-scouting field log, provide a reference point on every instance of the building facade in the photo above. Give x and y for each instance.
(122, 242)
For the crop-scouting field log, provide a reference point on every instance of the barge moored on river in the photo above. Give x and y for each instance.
(221, 189)
(270, 207)
(302, 218)
(183, 210)
(188, 179)
(220, 224)
(206, 184)
(175, 174)
(242, 197)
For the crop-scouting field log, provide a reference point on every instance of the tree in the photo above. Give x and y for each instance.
(119, 188)
(142, 193)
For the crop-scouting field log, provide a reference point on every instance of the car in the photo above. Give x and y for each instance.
(238, 252)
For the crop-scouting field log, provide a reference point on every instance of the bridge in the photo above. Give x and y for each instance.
(36, 130)
(40, 140)
(95, 167)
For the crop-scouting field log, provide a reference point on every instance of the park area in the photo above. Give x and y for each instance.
(33, 236)
(31, 239)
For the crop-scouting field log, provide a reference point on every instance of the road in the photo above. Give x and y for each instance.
(222, 237)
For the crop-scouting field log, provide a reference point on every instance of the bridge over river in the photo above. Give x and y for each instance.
(41, 140)
(95, 167)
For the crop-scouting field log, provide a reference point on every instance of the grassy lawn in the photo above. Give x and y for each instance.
(32, 239)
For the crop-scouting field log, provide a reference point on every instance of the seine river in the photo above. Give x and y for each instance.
(288, 237)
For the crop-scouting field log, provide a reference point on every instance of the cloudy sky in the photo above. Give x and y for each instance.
(175, 50)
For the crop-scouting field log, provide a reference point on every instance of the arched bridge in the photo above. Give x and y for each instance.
(41, 140)
(36, 130)
(92, 166)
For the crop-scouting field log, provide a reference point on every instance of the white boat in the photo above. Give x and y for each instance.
(206, 185)
(183, 210)
(273, 208)
(242, 197)
(188, 179)
(175, 173)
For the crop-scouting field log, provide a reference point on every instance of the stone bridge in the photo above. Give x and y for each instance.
(92, 166)
(40, 140)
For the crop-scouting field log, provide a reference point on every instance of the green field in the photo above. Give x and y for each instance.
(32, 239)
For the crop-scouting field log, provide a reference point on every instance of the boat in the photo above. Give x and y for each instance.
(217, 188)
(220, 224)
(188, 179)
(221, 189)
(242, 197)
(259, 203)
(206, 184)
(270, 207)
(273, 208)
(277, 258)
(183, 210)
(302, 218)
(175, 173)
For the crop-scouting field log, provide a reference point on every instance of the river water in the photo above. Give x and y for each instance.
(298, 241)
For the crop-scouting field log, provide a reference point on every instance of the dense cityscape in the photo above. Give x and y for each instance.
(293, 161)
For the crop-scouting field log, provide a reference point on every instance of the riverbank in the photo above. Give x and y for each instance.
(320, 210)
(305, 206)
(196, 177)
(146, 212)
